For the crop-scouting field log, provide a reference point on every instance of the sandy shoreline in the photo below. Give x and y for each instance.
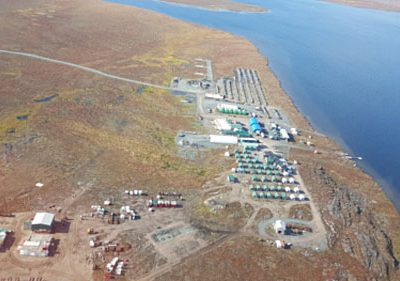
(219, 5)
(385, 5)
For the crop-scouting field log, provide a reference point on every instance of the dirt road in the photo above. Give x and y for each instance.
(88, 69)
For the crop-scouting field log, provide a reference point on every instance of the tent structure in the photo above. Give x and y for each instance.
(280, 227)
(42, 222)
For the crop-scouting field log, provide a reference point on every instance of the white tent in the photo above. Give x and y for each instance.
(279, 244)
(279, 226)
(43, 218)
(223, 139)
(284, 134)
(222, 124)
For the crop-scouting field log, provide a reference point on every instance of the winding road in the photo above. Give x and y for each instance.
(89, 69)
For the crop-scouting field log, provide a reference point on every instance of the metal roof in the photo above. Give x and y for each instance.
(43, 218)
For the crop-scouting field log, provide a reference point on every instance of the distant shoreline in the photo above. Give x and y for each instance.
(218, 5)
(385, 5)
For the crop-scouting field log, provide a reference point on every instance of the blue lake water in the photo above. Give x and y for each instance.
(340, 65)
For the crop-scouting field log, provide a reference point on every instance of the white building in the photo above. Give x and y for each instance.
(223, 139)
(227, 106)
(284, 134)
(214, 96)
(280, 227)
(222, 125)
(42, 222)
(280, 244)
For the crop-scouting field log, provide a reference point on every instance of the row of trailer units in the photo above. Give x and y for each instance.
(162, 203)
(278, 188)
(278, 196)
(244, 87)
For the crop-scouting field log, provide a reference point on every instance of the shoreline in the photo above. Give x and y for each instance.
(371, 5)
(218, 6)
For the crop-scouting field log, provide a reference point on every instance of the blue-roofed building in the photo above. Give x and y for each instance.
(253, 120)
(255, 125)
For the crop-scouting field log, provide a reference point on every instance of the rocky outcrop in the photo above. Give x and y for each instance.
(359, 231)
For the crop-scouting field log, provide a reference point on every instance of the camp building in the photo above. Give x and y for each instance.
(42, 222)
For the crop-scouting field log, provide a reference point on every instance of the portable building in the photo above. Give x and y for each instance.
(253, 120)
(302, 197)
(280, 244)
(280, 227)
(42, 222)
(255, 128)
(223, 139)
(222, 125)
(3, 235)
(227, 106)
(232, 178)
(284, 134)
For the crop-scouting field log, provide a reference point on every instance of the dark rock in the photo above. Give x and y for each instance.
(350, 212)
(347, 246)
